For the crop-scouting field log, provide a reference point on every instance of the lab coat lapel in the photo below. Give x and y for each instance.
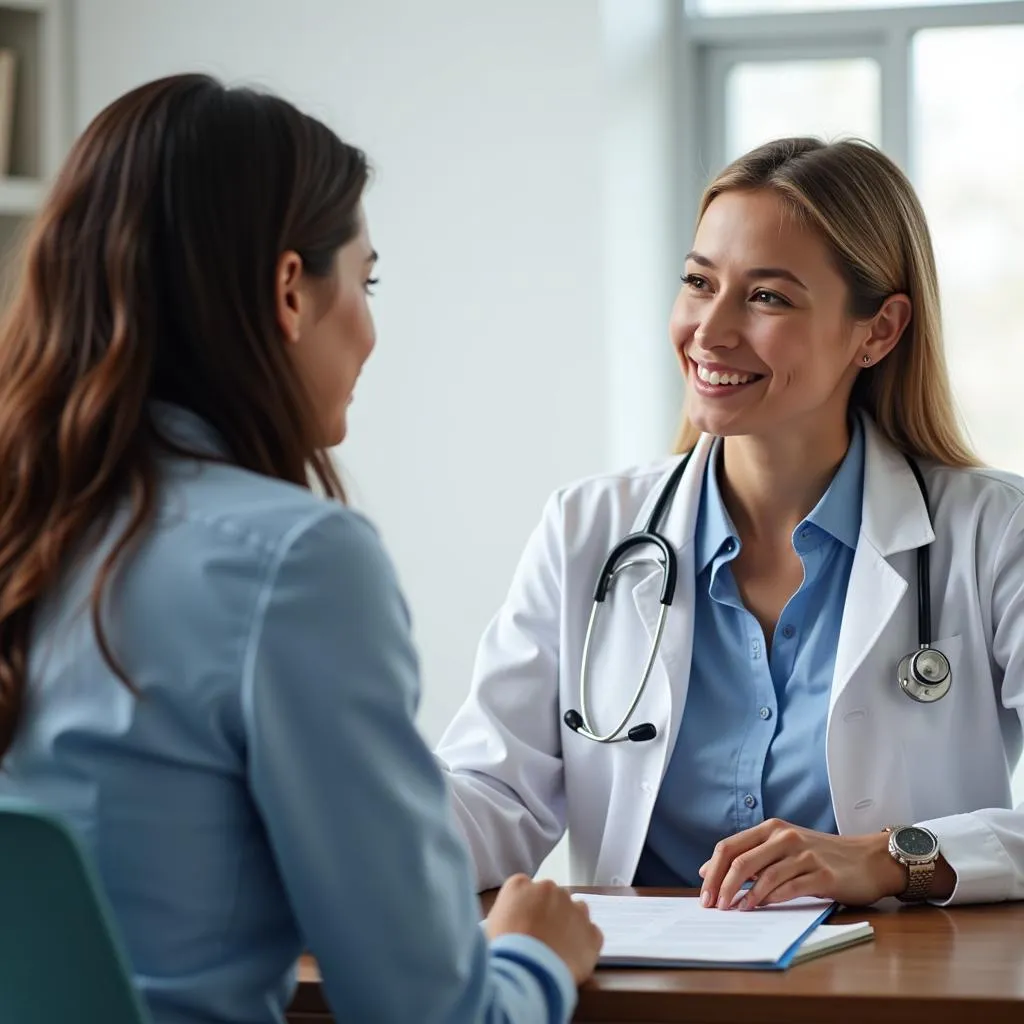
(894, 519)
(671, 672)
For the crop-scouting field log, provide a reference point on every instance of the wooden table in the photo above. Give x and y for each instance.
(963, 965)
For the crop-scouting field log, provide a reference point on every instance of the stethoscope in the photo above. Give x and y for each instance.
(923, 675)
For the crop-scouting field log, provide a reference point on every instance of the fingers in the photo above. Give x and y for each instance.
(583, 909)
(746, 867)
(723, 861)
(594, 934)
(812, 884)
(783, 872)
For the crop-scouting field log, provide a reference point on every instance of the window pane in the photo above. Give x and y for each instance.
(829, 98)
(968, 161)
(715, 7)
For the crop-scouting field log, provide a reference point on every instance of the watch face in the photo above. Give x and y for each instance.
(915, 842)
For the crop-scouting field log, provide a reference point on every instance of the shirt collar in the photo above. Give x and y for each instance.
(838, 512)
(715, 529)
(187, 429)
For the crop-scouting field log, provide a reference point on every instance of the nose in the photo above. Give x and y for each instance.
(717, 327)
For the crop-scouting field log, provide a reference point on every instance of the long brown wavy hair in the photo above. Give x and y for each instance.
(150, 275)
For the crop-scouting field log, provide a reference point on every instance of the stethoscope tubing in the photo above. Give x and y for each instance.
(913, 680)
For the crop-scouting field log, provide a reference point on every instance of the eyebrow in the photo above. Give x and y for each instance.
(779, 273)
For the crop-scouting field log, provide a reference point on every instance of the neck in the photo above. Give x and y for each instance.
(771, 483)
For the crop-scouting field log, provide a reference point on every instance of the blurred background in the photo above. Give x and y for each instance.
(537, 167)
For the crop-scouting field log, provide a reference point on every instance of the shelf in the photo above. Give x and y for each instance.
(20, 196)
(37, 33)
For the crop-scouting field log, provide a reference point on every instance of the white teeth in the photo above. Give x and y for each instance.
(715, 378)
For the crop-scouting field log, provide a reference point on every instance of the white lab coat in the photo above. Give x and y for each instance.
(519, 777)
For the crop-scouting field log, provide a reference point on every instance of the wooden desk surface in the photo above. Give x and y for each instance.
(925, 964)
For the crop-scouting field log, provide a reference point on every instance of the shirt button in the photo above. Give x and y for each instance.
(804, 534)
(788, 632)
(750, 800)
(765, 713)
(730, 544)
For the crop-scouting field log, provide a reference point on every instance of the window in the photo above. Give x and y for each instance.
(719, 7)
(967, 157)
(825, 96)
(940, 87)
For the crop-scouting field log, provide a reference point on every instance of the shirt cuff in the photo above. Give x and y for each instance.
(545, 964)
(979, 861)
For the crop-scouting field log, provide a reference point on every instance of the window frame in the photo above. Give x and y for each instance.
(720, 60)
(707, 45)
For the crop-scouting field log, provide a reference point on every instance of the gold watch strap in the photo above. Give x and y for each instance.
(919, 883)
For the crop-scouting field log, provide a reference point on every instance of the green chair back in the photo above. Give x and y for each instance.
(60, 959)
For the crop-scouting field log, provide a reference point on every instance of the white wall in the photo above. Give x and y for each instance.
(525, 228)
(516, 203)
(489, 385)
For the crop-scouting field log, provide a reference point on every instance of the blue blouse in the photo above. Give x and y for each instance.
(266, 791)
(751, 742)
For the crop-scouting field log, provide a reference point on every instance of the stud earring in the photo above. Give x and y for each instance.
(867, 360)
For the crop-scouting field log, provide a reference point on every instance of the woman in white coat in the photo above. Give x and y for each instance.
(773, 743)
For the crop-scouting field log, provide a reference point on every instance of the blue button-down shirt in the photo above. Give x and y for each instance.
(266, 791)
(751, 742)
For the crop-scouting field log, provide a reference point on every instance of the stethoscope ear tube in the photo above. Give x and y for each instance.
(579, 721)
(638, 540)
(637, 733)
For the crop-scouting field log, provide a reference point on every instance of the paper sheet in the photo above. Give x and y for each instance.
(677, 930)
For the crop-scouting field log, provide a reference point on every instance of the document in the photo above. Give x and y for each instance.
(827, 938)
(676, 931)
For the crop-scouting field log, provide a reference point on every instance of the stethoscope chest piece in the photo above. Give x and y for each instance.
(925, 675)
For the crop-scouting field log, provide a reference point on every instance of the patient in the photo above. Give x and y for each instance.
(205, 667)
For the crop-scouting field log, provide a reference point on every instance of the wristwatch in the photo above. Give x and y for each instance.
(917, 849)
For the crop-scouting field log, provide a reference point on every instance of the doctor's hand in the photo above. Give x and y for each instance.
(548, 913)
(785, 861)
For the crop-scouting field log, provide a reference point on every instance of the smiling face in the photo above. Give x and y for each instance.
(761, 324)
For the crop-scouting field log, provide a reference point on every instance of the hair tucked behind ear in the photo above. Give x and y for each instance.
(150, 275)
(866, 210)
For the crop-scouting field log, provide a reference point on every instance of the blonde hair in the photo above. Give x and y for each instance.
(866, 210)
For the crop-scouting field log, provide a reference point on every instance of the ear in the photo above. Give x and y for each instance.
(884, 330)
(288, 296)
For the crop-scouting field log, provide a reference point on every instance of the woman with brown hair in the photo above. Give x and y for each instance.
(206, 668)
(808, 712)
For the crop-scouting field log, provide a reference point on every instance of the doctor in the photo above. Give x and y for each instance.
(773, 741)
